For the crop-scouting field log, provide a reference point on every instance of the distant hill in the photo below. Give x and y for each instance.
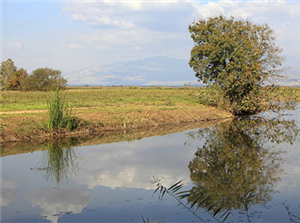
(153, 71)
(149, 71)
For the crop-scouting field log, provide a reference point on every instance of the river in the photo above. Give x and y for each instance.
(247, 169)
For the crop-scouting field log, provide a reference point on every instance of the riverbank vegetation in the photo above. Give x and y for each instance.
(24, 115)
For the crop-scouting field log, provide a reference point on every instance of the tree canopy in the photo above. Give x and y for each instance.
(44, 79)
(41, 79)
(236, 57)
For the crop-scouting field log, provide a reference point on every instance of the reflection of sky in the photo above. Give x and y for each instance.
(7, 191)
(57, 202)
(133, 164)
(290, 178)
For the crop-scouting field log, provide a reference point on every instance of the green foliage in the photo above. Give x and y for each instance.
(60, 115)
(272, 97)
(16, 79)
(44, 79)
(238, 58)
(7, 69)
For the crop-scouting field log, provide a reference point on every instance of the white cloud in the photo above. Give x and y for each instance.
(76, 46)
(8, 191)
(114, 31)
(96, 13)
(57, 202)
(12, 44)
(156, 22)
(282, 16)
(129, 168)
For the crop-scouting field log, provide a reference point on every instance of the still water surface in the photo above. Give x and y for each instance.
(249, 167)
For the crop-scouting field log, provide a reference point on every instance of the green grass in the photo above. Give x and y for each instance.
(102, 98)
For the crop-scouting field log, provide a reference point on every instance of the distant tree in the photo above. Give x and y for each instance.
(237, 58)
(44, 79)
(17, 77)
(7, 69)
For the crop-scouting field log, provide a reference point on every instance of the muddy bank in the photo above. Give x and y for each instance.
(99, 122)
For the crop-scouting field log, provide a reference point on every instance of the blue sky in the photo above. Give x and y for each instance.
(70, 35)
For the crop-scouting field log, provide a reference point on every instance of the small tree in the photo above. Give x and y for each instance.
(44, 79)
(7, 69)
(237, 58)
(17, 77)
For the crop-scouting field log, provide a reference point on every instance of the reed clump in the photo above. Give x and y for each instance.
(60, 114)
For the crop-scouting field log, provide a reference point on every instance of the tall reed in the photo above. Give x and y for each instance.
(60, 114)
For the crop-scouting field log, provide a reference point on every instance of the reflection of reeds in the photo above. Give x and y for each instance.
(203, 199)
(293, 217)
(59, 161)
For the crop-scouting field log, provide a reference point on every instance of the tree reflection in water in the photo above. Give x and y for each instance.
(235, 168)
(59, 161)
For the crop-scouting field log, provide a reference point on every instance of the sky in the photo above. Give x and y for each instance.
(71, 35)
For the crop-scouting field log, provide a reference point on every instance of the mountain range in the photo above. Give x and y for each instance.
(144, 72)
(153, 71)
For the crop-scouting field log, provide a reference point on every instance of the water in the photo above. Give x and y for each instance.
(249, 167)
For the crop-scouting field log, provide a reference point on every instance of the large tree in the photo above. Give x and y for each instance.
(43, 79)
(7, 69)
(236, 57)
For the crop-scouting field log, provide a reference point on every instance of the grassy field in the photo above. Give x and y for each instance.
(24, 114)
(102, 98)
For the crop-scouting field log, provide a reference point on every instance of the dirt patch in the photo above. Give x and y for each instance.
(22, 112)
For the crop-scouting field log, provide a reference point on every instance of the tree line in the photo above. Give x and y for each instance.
(41, 79)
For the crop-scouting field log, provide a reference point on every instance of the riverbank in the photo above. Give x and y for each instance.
(24, 114)
(102, 137)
